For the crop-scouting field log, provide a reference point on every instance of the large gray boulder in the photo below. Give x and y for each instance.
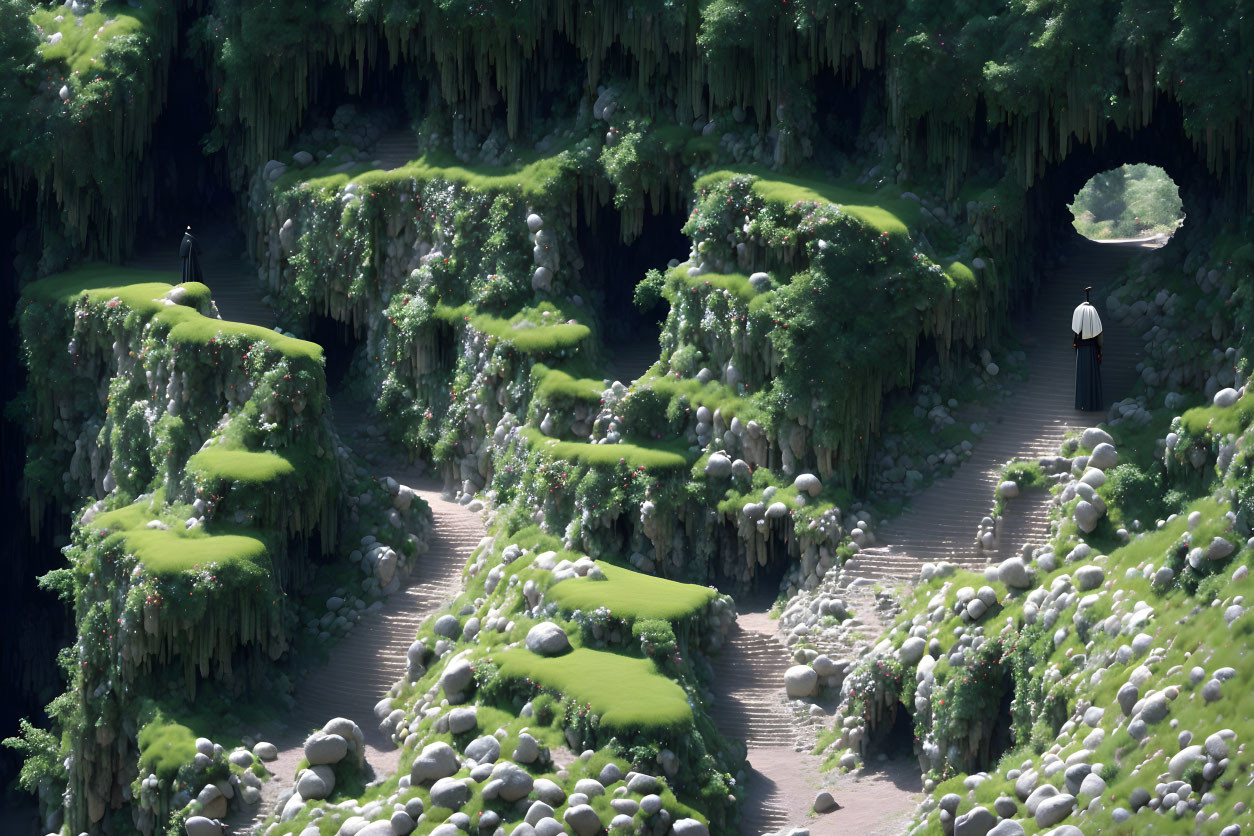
(202, 826)
(1219, 548)
(516, 783)
(448, 626)
(456, 678)
(718, 466)
(809, 483)
(1054, 809)
(1089, 577)
(325, 748)
(912, 650)
(1094, 436)
(1006, 827)
(801, 681)
(689, 827)
(1086, 516)
(462, 720)
(484, 749)
(583, 820)
(435, 761)
(547, 639)
(1226, 397)
(1182, 760)
(449, 793)
(266, 751)
(527, 750)
(977, 821)
(1104, 456)
(316, 782)
(1014, 573)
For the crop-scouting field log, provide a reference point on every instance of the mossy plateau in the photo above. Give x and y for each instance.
(893, 216)
(628, 694)
(658, 457)
(631, 595)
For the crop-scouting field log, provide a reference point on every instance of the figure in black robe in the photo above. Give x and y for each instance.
(189, 251)
(1086, 332)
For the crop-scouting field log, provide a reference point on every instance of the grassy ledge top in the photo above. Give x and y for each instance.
(631, 595)
(631, 693)
(538, 330)
(170, 551)
(102, 283)
(532, 175)
(654, 457)
(894, 216)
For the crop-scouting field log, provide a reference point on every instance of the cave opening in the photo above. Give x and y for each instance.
(1001, 738)
(190, 185)
(765, 583)
(894, 739)
(354, 109)
(1161, 144)
(839, 108)
(340, 348)
(611, 270)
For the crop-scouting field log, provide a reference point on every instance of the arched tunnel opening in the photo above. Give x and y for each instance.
(1002, 737)
(613, 267)
(1161, 143)
(340, 348)
(894, 740)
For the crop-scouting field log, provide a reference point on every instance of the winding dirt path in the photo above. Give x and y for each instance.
(940, 524)
(366, 662)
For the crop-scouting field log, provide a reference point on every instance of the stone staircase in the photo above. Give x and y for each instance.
(395, 149)
(941, 521)
(940, 524)
(751, 706)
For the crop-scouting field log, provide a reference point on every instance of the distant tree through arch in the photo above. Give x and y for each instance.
(1132, 201)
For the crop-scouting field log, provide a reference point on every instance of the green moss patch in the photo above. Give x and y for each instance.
(85, 40)
(164, 745)
(660, 456)
(891, 215)
(555, 384)
(736, 284)
(631, 595)
(1220, 421)
(531, 176)
(166, 552)
(526, 330)
(240, 465)
(628, 694)
(173, 550)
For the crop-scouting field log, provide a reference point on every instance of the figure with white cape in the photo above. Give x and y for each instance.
(1086, 332)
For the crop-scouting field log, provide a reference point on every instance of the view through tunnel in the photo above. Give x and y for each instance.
(1133, 201)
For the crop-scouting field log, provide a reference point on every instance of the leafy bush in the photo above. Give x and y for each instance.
(648, 292)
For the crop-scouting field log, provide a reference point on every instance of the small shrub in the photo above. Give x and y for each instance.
(1026, 474)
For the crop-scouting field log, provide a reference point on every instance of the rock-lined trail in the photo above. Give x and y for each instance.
(941, 521)
(365, 663)
(940, 524)
(751, 706)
